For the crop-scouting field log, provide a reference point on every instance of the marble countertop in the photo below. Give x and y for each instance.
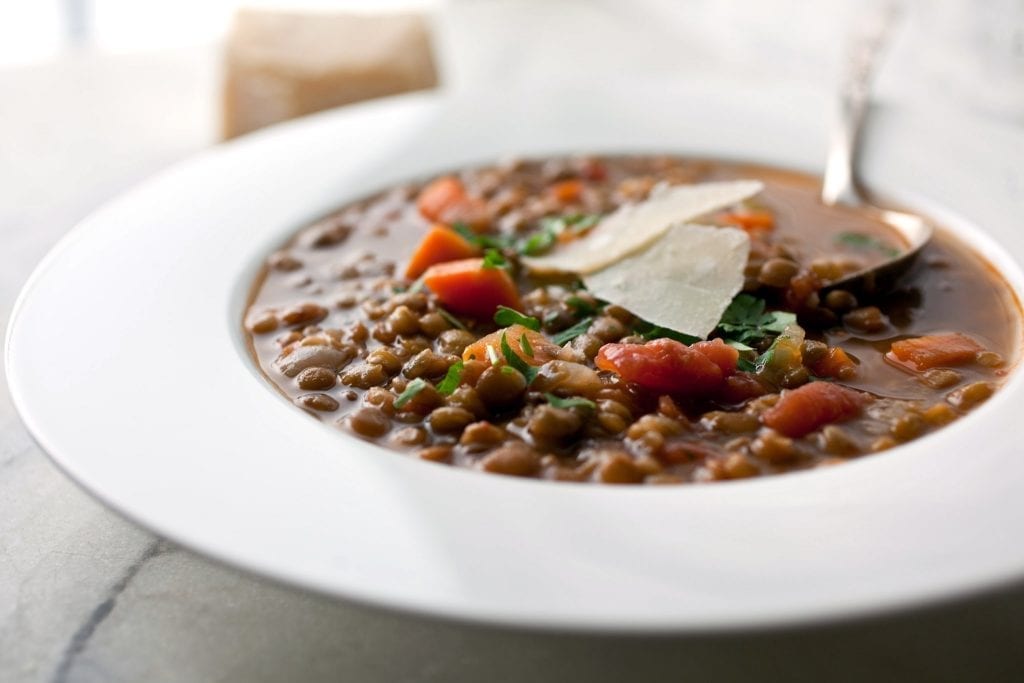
(88, 596)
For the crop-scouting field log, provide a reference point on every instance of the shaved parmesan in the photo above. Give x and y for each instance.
(684, 281)
(633, 227)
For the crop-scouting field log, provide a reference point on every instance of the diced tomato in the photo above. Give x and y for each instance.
(720, 353)
(750, 220)
(467, 288)
(446, 200)
(801, 411)
(665, 366)
(837, 364)
(592, 169)
(439, 245)
(567, 191)
(543, 349)
(935, 350)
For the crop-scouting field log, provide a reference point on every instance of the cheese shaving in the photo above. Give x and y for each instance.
(684, 281)
(634, 227)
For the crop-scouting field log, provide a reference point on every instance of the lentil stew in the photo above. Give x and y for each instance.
(408, 319)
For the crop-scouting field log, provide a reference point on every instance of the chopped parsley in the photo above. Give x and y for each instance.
(862, 241)
(553, 226)
(414, 387)
(745, 320)
(483, 241)
(451, 319)
(451, 379)
(571, 333)
(494, 259)
(514, 361)
(524, 342)
(509, 316)
(649, 331)
(573, 402)
(581, 306)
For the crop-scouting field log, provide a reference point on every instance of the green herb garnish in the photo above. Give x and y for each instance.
(573, 402)
(509, 316)
(581, 306)
(483, 241)
(451, 379)
(451, 319)
(494, 259)
(414, 387)
(527, 370)
(745, 320)
(571, 333)
(649, 331)
(862, 241)
(553, 226)
(524, 342)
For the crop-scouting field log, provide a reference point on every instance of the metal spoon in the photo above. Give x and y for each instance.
(840, 186)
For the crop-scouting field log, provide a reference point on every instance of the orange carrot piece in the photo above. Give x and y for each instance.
(439, 245)
(801, 411)
(445, 200)
(750, 220)
(837, 364)
(567, 191)
(467, 288)
(934, 350)
(543, 349)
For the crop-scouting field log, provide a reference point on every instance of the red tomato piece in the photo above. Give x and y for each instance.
(720, 353)
(664, 365)
(934, 350)
(467, 288)
(801, 411)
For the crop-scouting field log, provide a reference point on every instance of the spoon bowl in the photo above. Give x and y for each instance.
(840, 186)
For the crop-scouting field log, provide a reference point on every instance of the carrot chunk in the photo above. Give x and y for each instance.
(801, 411)
(439, 245)
(447, 201)
(541, 347)
(467, 288)
(934, 350)
(749, 220)
(837, 364)
(567, 191)
(667, 366)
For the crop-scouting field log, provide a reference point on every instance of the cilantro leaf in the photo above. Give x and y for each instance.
(514, 361)
(573, 402)
(581, 306)
(745, 320)
(451, 319)
(524, 342)
(509, 316)
(494, 259)
(414, 387)
(451, 379)
(649, 331)
(571, 333)
(483, 241)
(553, 226)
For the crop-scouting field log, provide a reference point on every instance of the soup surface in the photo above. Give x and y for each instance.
(411, 319)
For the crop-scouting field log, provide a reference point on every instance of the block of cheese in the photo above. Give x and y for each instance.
(282, 64)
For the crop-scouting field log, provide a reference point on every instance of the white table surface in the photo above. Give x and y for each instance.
(88, 596)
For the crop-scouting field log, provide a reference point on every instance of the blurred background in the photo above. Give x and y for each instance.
(96, 95)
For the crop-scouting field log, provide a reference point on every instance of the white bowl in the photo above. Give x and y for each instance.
(127, 363)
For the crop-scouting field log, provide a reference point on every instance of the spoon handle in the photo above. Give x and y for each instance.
(865, 45)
